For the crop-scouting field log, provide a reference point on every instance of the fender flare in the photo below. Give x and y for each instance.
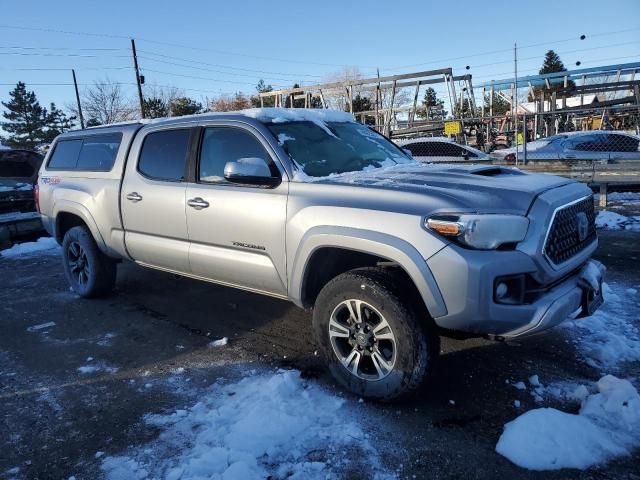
(367, 241)
(75, 208)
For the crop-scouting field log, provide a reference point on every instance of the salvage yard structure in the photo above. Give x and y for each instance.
(383, 93)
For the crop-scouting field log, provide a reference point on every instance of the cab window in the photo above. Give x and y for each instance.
(227, 144)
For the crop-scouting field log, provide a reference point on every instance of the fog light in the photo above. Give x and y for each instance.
(501, 290)
(509, 290)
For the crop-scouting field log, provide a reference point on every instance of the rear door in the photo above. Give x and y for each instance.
(237, 232)
(153, 200)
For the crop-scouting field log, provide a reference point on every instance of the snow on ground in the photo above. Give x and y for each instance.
(624, 197)
(610, 336)
(607, 426)
(42, 245)
(267, 425)
(611, 220)
(96, 367)
(221, 342)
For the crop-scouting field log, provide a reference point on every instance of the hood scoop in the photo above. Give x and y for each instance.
(488, 171)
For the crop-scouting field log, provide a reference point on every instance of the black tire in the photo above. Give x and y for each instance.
(89, 271)
(386, 294)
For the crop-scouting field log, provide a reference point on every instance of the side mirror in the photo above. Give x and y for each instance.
(251, 171)
(465, 156)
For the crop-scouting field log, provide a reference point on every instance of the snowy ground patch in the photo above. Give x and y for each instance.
(610, 336)
(45, 245)
(96, 367)
(607, 426)
(624, 197)
(614, 221)
(270, 425)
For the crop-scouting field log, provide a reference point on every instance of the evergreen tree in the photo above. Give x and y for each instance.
(57, 122)
(154, 108)
(93, 122)
(500, 105)
(26, 119)
(184, 106)
(262, 87)
(552, 63)
(361, 104)
(432, 107)
(298, 103)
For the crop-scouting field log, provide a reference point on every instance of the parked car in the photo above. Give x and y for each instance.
(602, 145)
(18, 173)
(312, 207)
(441, 149)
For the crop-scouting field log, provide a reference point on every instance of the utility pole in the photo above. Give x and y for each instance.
(514, 99)
(75, 84)
(135, 65)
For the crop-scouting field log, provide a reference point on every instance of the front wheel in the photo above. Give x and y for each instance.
(89, 271)
(375, 338)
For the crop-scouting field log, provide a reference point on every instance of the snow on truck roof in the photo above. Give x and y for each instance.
(275, 115)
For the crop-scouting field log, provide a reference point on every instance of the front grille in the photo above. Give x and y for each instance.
(563, 240)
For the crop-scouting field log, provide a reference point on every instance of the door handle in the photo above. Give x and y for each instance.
(198, 203)
(569, 156)
(134, 197)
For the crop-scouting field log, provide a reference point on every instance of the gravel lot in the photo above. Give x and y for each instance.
(76, 392)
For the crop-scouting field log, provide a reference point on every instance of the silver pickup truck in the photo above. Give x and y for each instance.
(313, 207)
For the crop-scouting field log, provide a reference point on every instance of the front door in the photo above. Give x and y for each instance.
(237, 232)
(153, 201)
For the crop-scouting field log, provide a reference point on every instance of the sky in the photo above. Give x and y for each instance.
(209, 48)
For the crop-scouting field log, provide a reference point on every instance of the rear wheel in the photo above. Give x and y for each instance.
(89, 271)
(375, 338)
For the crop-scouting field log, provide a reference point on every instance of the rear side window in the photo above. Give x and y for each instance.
(164, 154)
(65, 155)
(94, 153)
(588, 143)
(622, 143)
(435, 149)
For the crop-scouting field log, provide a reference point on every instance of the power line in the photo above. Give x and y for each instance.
(204, 78)
(215, 71)
(105, 35)
(61, 48)
(63, 69)
(537, 57)
(24, 54)
(224, 66)
(492, 52)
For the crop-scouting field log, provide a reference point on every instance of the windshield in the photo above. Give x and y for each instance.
(322, 149)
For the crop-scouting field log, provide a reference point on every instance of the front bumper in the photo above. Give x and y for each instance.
(466, 280)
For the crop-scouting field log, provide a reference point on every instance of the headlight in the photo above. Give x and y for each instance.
(484, 232)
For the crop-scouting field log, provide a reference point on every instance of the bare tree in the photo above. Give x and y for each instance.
(105, 102)
(166, 94)
(228, 103)
(339, 100)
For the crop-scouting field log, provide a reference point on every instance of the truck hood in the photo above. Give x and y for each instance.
(468, 187)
